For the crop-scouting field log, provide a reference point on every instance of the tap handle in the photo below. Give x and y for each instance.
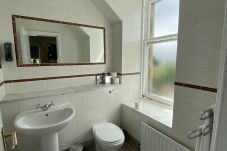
(52, 102)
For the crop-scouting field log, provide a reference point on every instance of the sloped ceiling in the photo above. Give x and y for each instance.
(107, 11)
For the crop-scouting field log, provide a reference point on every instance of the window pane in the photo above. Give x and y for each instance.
(162, 68)
(166, 15)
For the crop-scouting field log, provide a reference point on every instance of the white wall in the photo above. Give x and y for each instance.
(91, 108)
(199, 50)
(79, 11)
(2, 88)
(86, 103)
(130, 13)
(1, 140)
(2, 94)
(198, 54)
(222, 133)
(199, 47)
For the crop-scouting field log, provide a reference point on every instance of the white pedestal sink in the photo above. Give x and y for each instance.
(45, 124)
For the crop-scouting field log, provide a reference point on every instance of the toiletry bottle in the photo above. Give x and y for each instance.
(107, 79)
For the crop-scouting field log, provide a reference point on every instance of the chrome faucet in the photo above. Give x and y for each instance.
(46, 107)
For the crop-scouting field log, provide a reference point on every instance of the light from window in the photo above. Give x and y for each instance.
(165, 18)
(160, 50)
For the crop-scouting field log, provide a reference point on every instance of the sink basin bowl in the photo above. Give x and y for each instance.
(39, 122)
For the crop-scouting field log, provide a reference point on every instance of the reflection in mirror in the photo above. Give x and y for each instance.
(43, 49)
(52, 42)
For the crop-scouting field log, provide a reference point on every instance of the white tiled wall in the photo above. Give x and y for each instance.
(130, 12)
(91, 107)
(132, 123)
(221, 132)
(79, 11)
(188, 105)
(130, 87)
(2, 94)
(200, 32)
(199, 47)
(199, 41)
(2, 90)
(199, 50)
(22, 87)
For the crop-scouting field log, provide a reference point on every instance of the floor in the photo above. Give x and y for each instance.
(126, 147)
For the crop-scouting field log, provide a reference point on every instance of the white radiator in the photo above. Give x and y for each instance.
(153, 140)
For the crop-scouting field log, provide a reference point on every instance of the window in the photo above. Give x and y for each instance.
(160, 49)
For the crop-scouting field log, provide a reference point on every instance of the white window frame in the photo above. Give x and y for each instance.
(145, 42)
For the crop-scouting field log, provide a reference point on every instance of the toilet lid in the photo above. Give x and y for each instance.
(108, 132)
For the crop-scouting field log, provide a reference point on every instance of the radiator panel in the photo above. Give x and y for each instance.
(153, 140)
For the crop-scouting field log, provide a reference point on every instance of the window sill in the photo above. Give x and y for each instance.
(153, 110)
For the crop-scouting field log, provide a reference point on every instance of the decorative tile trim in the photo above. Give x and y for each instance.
(52, 21)
(198, 87)
(50, 78)
(59, 77)
(125, 74)
(209, 89)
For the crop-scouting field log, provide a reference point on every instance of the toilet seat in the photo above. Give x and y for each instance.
(108, 133)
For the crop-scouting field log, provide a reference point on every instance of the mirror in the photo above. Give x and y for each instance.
(49, 42)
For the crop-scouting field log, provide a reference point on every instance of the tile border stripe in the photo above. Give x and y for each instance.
(209, 89)
(50, 78)
(198, 87)
(60, 77)
(125, 74)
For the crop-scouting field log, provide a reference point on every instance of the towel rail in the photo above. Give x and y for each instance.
(206, 114)
(195, 133)
(207, 129)
(200, 131)
(203, 130)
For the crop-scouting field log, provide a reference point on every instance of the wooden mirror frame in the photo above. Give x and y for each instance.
(14, 17)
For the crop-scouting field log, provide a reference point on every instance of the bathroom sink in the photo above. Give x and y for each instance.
(39, 122)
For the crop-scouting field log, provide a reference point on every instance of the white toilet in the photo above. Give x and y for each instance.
(108, 137)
